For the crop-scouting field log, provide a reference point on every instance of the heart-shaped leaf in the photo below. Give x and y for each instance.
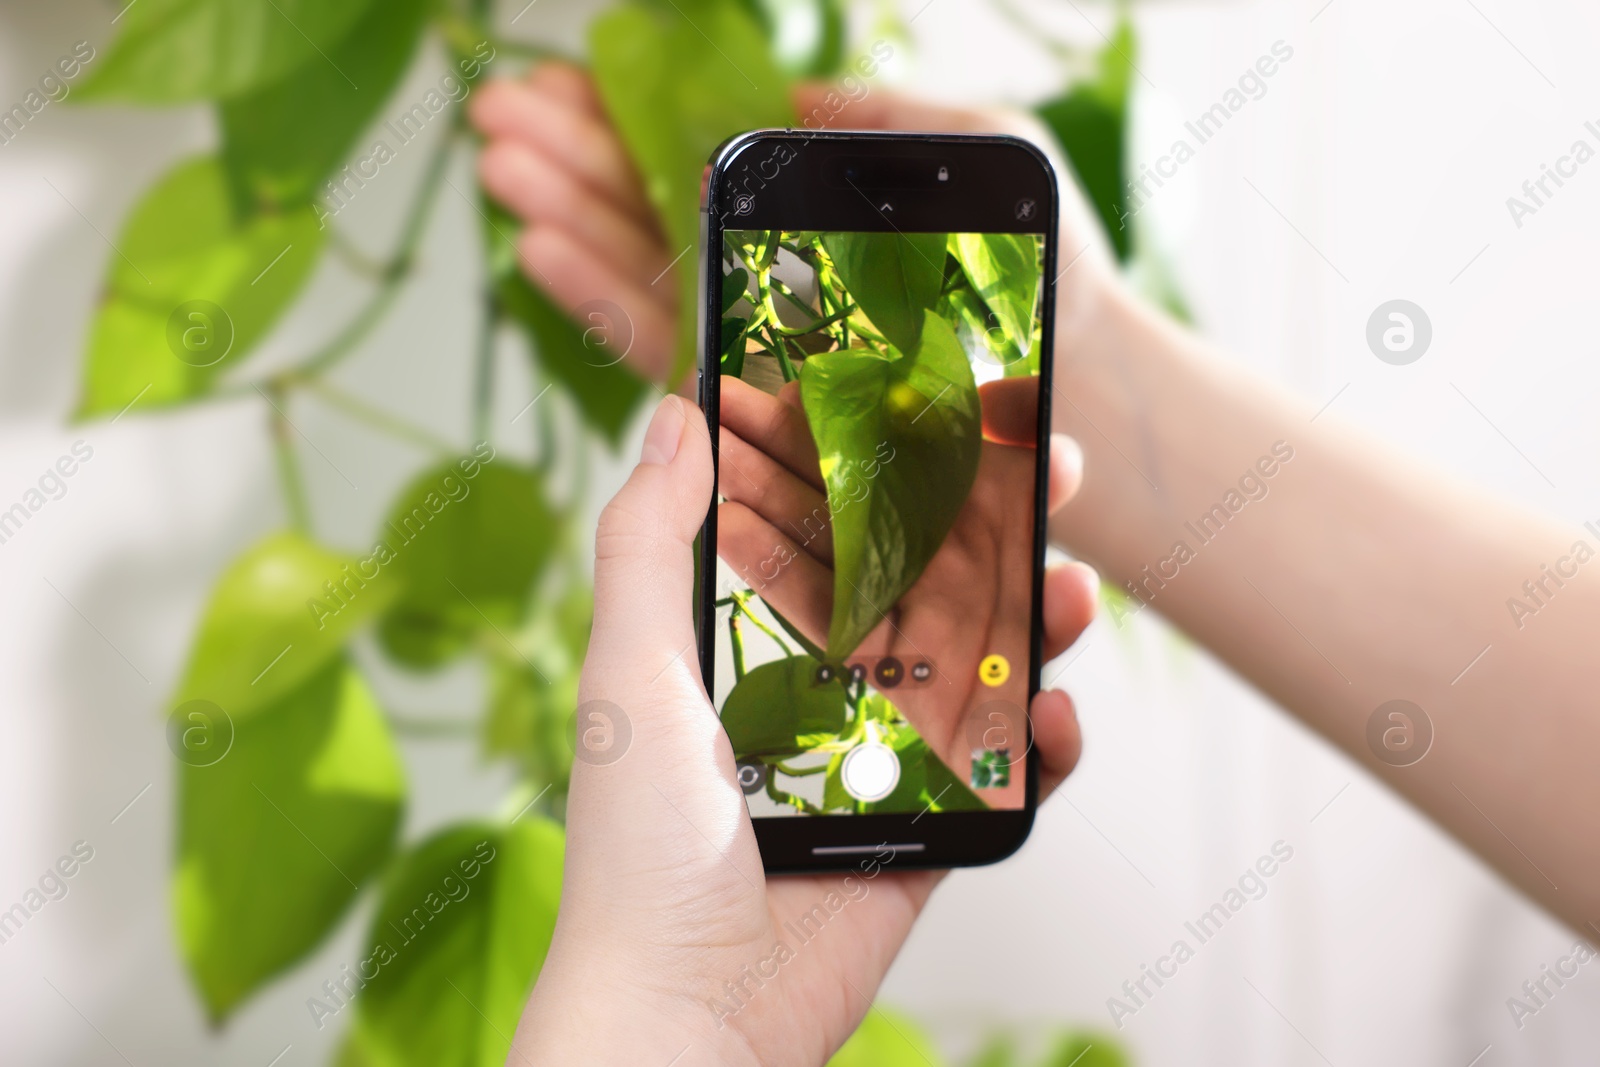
(275, 837)
(677, 81)
(277, 615)
(191, 290)
(1004, 270)
(893, 277)
(170, 51)
(469, 538)
(908, 427)
(1091, 121)
(282, 138)
(463, 929)
(776, 704)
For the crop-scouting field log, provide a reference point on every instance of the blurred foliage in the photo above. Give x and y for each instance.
(277, 839)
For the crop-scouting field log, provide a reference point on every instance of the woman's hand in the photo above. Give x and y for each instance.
(973, 598)
(555, 161)
(672, 945)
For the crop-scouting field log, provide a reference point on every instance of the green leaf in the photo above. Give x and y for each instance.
(887, 1039)
(462, 931)
(909, 793)
(602, 383)
(908, 427)
(677, 81)
(945, 790)
(272, 622)
(793, 631)
(807, 35)
(834, 795)
(733, 346)
(979, 330)
(733, 287)
(1004, 270)
(469, 540)
(893, 277)
(181, 244)
(777, 703)
(274, 838)
(1091, 122)
(170, 51)
(1086, 1050)
(281, 140)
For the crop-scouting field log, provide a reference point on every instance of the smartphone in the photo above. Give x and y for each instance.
(875, 369)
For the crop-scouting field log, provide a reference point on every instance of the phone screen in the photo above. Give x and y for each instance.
(876, 537)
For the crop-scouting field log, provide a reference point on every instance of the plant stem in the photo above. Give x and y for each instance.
(379, 419)
(432, 726)
(736, 638)
(783, 797)
(742, 607)
(354, 258)
(294, 486)
(394, 272)
(801, 772)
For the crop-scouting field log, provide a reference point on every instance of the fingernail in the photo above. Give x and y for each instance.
(1093, 579)
(665, 432)
(1073, 452)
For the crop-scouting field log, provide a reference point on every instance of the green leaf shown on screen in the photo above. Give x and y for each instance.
(781, 708)
(272, 622)
(462, 930)
(280, 140)
(467, 551)
(893, 277)
(677, 81)
(925, 784)
(1091, 121)
(586, 360)
(275, 837)
(1003, 269)
(887, 1039)
(191, 290)
(171, 51)
(979, 330)
(908, 427)
(734, 284)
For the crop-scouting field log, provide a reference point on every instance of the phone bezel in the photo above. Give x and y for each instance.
(991, 175)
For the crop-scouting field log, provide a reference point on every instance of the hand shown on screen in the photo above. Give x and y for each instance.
(972, 600)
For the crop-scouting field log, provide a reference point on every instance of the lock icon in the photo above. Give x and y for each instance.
(944, 174)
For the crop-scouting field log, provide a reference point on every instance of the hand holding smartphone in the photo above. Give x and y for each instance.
(876, 376)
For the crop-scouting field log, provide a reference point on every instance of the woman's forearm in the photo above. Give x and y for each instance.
(1337, 575)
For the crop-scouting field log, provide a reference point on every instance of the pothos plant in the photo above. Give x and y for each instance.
(883, 352)
(478, 557)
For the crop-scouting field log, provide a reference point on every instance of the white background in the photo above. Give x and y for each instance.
(1390, 141)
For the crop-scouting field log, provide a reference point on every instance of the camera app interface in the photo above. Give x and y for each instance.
(875, 518)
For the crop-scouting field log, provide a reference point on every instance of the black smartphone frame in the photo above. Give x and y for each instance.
(841, 180)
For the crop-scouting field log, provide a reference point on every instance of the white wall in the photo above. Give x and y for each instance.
(1391, 141)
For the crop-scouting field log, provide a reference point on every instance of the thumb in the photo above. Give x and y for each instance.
(643, 636)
